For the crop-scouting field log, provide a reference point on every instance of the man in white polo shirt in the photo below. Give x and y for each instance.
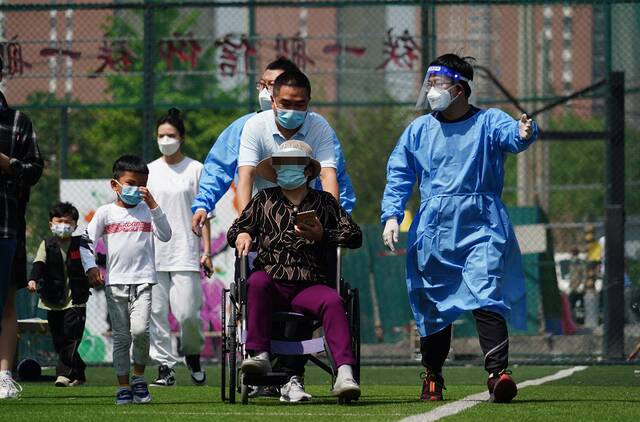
(288, 119)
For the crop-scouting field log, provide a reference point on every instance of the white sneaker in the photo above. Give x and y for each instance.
(293, 391)
(346, 387)
(257, 365)
(9, 389)
(62, 381)
(199, 378)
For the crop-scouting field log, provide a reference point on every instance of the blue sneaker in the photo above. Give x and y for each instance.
(124, 396)
(140, 392)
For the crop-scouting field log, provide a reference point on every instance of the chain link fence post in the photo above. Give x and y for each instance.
(148, 77)
(614, 225)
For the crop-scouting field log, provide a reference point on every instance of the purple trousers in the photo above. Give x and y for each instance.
(265, 295)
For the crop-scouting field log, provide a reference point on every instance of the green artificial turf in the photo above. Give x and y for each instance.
(602, 393)
(389, 393)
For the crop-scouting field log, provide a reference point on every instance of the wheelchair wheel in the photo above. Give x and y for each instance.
(233, 354)
(355, 330)
(353, 313)
(224, 351)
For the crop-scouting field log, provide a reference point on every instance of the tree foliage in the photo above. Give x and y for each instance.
(98, 136)
(367, 136)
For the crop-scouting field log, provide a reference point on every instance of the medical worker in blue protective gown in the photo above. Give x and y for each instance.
(220, 170)
(462, 253)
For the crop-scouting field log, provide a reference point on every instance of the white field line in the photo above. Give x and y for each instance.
(470, 401)
(262, 414)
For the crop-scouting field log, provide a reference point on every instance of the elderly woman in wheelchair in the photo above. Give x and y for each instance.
(293, 227)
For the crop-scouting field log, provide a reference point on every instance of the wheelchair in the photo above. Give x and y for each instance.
(290, 334)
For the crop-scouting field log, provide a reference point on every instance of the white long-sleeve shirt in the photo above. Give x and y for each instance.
(128, 235)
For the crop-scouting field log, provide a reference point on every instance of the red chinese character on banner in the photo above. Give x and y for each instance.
(186, 50)
(402, 51)
(294, 49)
(115, 56)
(54, 52)
(11, 52)
(234, 47)
(339, 49)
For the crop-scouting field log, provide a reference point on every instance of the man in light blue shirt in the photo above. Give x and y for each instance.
(261, 138)
(289, 119)
(221, 163)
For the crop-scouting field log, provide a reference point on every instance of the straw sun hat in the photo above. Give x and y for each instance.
(290, 153)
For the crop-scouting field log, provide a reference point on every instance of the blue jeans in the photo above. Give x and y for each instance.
(7, 252)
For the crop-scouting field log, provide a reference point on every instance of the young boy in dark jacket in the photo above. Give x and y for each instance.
(59, 278)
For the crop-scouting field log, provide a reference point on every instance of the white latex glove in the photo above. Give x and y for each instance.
(390, 233)
(525, 127)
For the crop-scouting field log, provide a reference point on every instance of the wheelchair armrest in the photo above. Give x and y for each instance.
(240, 277)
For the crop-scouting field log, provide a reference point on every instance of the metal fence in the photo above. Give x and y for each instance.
(94, 77)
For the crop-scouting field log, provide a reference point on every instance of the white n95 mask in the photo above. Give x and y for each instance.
(168, 145)
(265, 99)
(439, 99)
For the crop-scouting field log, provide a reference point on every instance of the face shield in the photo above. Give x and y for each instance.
(440, 78)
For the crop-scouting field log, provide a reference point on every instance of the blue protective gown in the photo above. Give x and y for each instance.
(462, 253)
(221, 165)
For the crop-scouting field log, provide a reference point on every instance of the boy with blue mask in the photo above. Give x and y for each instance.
(128, 227)
(290, 268)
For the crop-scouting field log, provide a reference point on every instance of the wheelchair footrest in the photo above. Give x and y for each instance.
(305, 347)
(271, 378)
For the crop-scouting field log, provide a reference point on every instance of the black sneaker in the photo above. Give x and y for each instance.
(166, 377)
(198, 376)
(432, 386)
(264, 391)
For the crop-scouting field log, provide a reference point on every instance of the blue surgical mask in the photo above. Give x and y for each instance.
(290, 119)
(130, 195)
(290, 176)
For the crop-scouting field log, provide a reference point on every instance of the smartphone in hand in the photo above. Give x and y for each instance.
(306, 217)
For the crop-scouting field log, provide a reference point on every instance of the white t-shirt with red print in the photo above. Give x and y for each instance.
(128, 235)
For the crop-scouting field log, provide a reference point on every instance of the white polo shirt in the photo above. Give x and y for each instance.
(261, 138)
